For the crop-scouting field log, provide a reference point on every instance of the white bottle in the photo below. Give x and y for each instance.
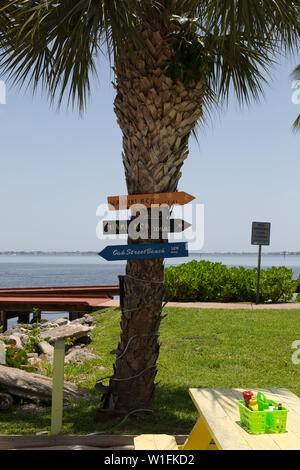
(2, 353)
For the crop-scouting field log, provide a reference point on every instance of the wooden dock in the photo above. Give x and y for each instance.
(76, 301)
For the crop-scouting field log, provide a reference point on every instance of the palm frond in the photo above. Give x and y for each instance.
(296, 125)
(295, 75)
(246, 38)
(56, 43)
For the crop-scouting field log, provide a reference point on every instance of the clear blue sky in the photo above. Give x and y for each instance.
(56, 168)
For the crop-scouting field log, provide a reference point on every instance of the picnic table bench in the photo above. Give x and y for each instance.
(218, 426)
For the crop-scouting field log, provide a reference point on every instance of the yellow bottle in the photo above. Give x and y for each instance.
(253, 404)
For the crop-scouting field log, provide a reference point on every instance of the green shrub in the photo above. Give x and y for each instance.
(205, 281)
(16, 358)
(34, 339)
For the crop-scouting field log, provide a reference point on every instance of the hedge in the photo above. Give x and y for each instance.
(206, 281)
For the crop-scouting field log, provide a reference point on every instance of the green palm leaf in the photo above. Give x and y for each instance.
(295, 75)
(56, 43)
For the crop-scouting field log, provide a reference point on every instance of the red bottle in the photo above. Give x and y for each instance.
(247, 395)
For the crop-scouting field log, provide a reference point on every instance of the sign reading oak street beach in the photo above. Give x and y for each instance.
(147, 200)
(121, 227)
(144, 251)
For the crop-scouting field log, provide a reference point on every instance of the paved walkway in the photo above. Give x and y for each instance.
(237, 306)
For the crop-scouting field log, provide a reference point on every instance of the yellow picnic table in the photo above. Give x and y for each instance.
(218, 426)
(219, 421)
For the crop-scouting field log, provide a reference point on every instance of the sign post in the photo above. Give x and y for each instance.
(144, 251)
(171, 199)
(261, 237)
(258, 275)
(121, 227)
(57, 387)
(147, 228)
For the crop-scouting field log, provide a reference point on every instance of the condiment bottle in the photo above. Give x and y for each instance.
(253, 404)
(247, 395)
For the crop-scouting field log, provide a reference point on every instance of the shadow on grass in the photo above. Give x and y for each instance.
(17, 421)
(173, 413)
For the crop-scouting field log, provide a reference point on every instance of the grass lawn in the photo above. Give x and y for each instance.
(199, 348)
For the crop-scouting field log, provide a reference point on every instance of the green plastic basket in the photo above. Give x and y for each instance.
(255, 421)
(276, 420)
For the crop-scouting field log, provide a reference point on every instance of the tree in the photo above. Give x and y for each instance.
(172, 60)
(296, 76)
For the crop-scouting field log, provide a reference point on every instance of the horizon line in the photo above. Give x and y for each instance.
(84, 252)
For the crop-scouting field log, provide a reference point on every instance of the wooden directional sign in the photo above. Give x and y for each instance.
(171, 199)
(261, 233)
(120, 227)
(144, 251)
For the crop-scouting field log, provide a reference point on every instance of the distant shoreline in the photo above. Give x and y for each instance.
(89, 253)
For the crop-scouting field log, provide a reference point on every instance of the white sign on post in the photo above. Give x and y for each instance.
(261, 233)
(2, 353)
(260, 236)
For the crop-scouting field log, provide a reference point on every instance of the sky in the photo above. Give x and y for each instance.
(56, 168)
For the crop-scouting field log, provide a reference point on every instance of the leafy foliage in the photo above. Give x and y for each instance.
(34, 338)
(16, 358)
(192, 59)
(56, 43)
(296, 76)
(214, 282)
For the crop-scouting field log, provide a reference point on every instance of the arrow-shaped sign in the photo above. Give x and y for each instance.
(144, 251)
(171, 199)
(120, 227)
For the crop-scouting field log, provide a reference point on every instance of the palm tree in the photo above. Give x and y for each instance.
(296, 76)
(172, 60)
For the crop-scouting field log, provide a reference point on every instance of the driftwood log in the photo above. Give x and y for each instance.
(5, 401)
(33, 386)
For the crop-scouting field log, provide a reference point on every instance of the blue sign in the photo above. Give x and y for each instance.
(144, 251)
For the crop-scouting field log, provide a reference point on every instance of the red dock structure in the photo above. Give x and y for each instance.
(76, 301)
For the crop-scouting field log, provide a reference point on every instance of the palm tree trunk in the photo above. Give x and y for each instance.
(156, 116)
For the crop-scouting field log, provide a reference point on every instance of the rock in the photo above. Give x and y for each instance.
(72, 331)
(33, 386)
(61, 321)
(31, 408)
(6, 401)
(85, 320)
(32, 355)
(14, 329)
(15, 341)
(46, 348)
(24, 339)
(45, 358)
(80, 354)
(46, 326)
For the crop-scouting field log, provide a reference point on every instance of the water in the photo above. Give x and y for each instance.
(88, 270)
(57, 270)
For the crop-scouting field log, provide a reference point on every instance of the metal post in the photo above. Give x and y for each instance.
(3, 320)
(258, 275)
(57, 387)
